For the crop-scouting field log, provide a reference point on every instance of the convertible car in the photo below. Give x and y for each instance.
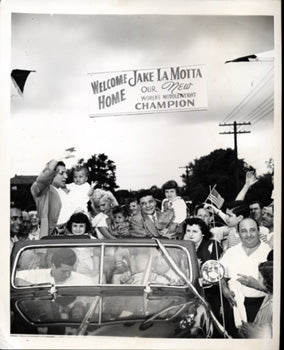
(123, 287)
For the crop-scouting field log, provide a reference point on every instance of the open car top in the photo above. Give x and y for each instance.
(101, 262)
(112, 282)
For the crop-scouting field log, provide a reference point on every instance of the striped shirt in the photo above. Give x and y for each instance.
(263, 319)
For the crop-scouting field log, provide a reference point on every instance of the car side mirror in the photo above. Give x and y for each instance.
(212, 271)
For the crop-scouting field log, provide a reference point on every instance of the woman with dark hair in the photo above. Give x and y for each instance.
(196, 230)
(201, 212)
(262, 324)
(78, 224)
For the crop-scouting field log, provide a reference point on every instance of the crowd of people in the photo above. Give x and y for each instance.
(241, 237)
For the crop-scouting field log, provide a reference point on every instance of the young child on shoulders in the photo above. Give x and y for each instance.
(175, 203)
(79, 188)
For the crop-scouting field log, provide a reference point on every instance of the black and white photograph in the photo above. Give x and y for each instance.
(141, 144)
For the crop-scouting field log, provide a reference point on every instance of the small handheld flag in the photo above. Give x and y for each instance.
(215, 197)
(71, 149)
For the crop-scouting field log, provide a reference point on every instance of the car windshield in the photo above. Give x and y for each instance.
(100, 264)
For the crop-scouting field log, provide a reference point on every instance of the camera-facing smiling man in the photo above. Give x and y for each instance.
(150, 221)
(241, 266)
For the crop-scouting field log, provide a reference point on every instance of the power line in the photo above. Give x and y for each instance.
(248, 97)
(235, 132)
(187, 173)
(256, 110)
(263, 116)
(263, 111)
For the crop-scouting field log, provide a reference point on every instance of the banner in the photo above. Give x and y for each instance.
(172, 89)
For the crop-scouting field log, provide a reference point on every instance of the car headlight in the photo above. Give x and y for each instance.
(212, 271)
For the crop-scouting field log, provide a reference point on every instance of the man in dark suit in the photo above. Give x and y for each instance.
(151, 222)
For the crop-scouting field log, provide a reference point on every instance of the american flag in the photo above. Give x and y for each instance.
(215, 197)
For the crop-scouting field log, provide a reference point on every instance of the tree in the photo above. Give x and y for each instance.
(270, 165)
(218, 168)
(123, 196)
(101, 169)
(157, 193)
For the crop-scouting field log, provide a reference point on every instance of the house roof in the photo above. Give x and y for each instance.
(23, 179)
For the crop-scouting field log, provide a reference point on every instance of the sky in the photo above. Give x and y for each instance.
(53, 113)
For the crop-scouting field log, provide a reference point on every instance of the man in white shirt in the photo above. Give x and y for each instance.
(241, 263)
(60, 273)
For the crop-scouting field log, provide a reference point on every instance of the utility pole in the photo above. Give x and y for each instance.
(186, 175)
(235, 132)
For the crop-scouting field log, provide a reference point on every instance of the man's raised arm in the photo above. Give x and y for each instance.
(44, 179)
